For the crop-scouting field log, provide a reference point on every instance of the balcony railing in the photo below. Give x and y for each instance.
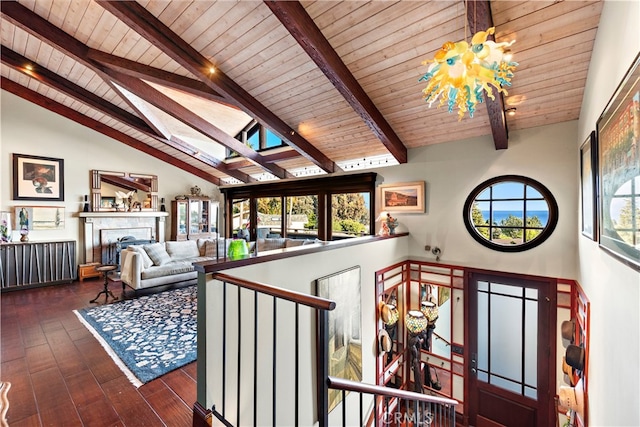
(257, 309)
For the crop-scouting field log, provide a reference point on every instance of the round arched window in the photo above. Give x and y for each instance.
(510, 213)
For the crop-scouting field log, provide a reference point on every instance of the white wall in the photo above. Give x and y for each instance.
(612, 287)
(451, 171)
(29, 129)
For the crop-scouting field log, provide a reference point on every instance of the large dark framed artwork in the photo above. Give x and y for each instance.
(588, 168)
(619, 171)
(345, 327)
(37, 178)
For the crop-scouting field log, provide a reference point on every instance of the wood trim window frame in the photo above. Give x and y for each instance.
(323, 187)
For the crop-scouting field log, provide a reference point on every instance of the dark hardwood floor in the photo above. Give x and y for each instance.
(61, 376)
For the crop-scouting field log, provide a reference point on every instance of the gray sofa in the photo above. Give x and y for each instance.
(158, 264)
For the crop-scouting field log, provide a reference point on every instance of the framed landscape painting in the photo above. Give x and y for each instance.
(402, 197)
(588, 162)
(37, 178)
(619, 171)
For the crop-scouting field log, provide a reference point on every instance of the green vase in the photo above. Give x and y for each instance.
(238, 249)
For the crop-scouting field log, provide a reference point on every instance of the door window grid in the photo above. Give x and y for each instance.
(490, 294)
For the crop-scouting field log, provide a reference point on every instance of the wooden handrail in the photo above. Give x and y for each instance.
(342, 384)
(293, 296)
(435, 335)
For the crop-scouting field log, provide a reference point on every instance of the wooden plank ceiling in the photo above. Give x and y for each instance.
(337, 80)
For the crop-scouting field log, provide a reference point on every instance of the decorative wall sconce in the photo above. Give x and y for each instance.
(416, 322)
(430, 311)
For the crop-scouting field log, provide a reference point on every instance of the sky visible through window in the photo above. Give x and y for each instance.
(509, 198)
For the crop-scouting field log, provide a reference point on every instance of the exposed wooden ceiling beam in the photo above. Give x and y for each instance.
(274, 157)
(479, 18)
(156, 75)
(151, 28)
(53, 106)
(188, 117)
(17, 62)
(297, 21)
(206, 158)
(42, 74)
(34, 24)
(183, 146)
(39, 27)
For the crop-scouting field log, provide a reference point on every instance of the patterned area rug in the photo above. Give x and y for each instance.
(4, 402)
(147, 336)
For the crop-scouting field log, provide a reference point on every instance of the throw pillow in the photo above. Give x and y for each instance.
(201, 243)
(270, 244)
(146, 261)
(210, 249)
(290, 243)
(157, 253)
(186, 249)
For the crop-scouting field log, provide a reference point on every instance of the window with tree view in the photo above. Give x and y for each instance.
(510, 213)
(350, 215)
(328, 208)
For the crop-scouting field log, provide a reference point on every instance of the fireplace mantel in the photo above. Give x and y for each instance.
(120, 214)
(103, 228)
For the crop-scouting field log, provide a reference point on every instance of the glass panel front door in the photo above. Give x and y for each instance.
(507, 337)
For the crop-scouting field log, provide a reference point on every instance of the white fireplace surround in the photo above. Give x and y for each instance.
(102, 229)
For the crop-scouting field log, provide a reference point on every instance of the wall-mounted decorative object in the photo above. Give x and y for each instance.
(141, 188)
(37, 178)
(345, 327)
(402, 197)
(588, 168)
(39, 218)
(619, 170)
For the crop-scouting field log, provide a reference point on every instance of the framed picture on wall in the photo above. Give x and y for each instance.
(588, 168)
(39, 217)
(37, 178)
(402, 197)
(619, 171)
(345, 327)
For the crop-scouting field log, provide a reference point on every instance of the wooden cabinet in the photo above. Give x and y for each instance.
(193, 218)
(31, 264)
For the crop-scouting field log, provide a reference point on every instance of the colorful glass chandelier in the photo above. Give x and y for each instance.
(460, 73)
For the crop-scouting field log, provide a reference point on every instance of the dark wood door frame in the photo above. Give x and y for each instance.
(546, 383)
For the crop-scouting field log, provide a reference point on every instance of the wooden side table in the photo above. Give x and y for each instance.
(88, 270)
(105, 269)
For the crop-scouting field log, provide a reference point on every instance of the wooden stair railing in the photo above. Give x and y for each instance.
(393, 407)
